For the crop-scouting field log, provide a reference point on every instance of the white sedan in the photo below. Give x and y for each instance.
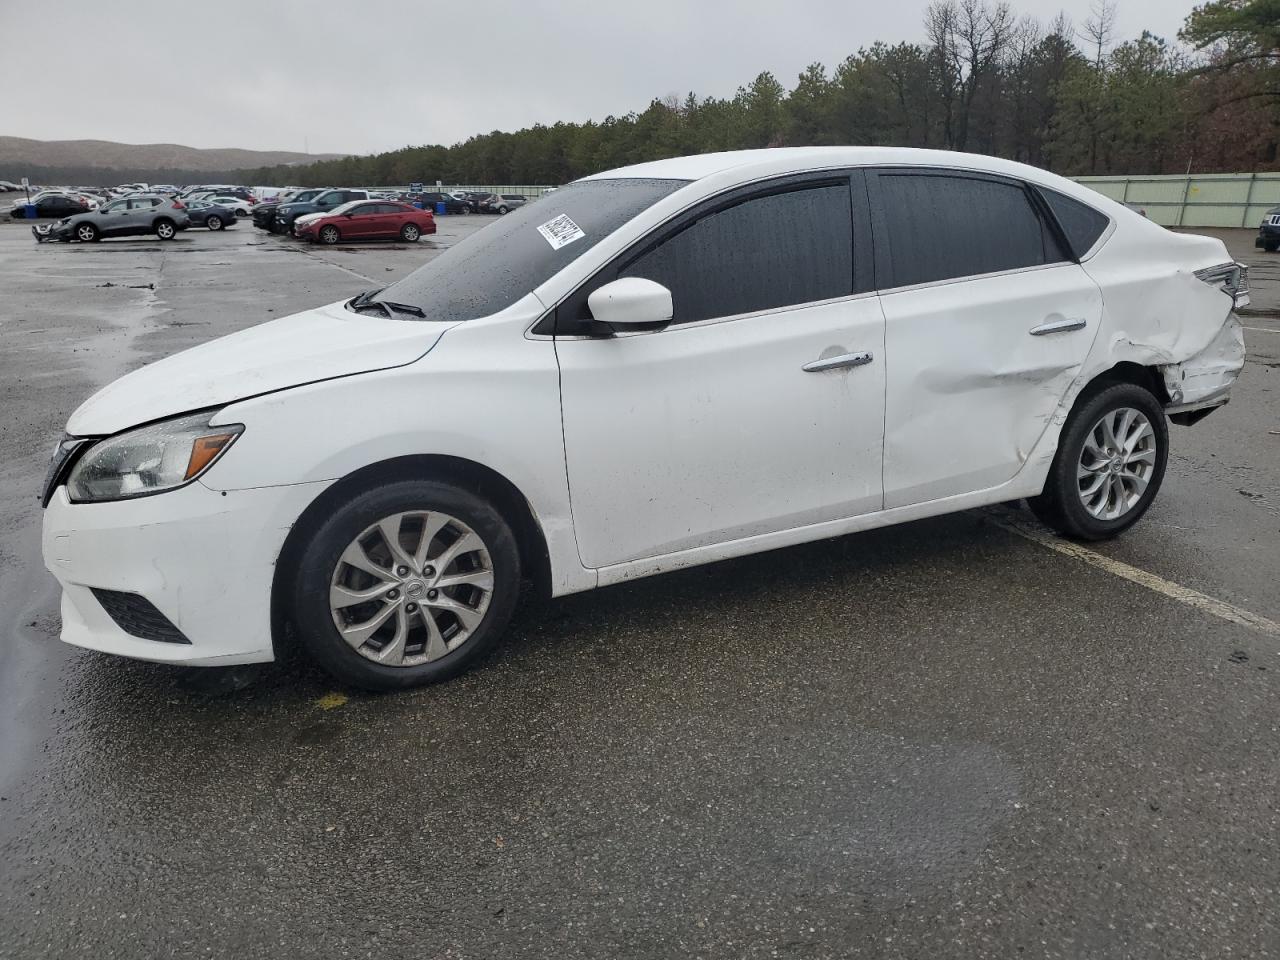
(242, 208)
(650, 368)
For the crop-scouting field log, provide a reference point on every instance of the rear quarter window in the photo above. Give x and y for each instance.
(1081, 224)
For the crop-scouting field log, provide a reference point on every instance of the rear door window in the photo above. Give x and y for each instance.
(762, 253)
(933, 226)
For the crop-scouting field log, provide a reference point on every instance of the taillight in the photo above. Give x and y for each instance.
(1231, 278)
(179, 205)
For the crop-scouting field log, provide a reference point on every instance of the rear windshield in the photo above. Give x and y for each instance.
(503, 261)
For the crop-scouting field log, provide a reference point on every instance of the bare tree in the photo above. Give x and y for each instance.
(1099, 30)
(1098, 33)
(968, 40)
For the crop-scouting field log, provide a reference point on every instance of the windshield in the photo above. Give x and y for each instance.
(501, 262)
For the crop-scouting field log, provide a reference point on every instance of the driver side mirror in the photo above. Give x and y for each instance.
(632, 302)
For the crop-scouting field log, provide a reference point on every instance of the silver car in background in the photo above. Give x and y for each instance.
(132, 216)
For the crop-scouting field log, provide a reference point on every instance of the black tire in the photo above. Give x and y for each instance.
(213, 222)
(241, 214)
(87, 233)
(322, 548)
(329, 234)
(410, 233)
(164, 228)
(1270, 246)
(502, 211)
(466, 209)
(1060, 505)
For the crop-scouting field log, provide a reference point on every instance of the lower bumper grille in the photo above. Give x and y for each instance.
(138, 617)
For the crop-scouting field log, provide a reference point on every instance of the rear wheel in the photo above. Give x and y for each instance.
(86, 233)
(502, 210)
(410, 233)
(1109, 466)
(165, 229)
(329, 235)
(408, 583)
(213, 222)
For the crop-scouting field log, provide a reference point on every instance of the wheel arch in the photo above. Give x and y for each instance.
(535, 557)
(1126, 371)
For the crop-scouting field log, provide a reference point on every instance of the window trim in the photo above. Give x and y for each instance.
(552, 325)
(880, 227)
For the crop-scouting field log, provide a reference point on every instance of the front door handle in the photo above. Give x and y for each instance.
(1059, 326)
(835, 363)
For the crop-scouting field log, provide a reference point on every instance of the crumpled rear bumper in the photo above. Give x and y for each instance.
(1202, 383)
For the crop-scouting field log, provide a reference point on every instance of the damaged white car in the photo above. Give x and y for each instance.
(650, 368)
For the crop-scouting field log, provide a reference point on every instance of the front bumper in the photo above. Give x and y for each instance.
(204, 559)
(1267, 233)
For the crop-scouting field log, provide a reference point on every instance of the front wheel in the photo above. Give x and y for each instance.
(165, 229)
(408, 583)
(1109, 466)
(86, 233)
(329, 235)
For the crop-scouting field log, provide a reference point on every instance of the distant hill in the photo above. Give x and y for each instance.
(106, 154)
(102, 163)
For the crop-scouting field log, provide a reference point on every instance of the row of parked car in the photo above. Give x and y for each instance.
(325, 215)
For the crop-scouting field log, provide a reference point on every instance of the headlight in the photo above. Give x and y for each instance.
(151, 459)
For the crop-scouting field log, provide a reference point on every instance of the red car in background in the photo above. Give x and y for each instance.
(366, 220)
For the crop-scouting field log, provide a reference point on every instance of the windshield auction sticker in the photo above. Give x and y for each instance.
(561, 231)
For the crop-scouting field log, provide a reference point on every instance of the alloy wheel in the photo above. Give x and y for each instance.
(85, 232)
(411, 588)
(1116, 463)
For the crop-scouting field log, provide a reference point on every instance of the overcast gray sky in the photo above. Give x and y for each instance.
(375, 75)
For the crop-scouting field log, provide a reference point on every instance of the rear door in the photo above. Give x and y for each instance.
(141, 215)
(988, 320)
(760, 407)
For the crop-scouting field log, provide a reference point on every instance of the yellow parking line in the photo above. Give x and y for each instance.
(1007, 520)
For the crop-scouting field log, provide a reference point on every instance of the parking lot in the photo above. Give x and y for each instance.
(953, 738)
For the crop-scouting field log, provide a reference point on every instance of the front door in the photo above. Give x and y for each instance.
(987, 322)
(759, 409)
(114, 219)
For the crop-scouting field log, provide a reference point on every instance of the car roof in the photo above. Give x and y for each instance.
(779, 160)
(721, 170)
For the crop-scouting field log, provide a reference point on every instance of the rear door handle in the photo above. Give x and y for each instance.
(1058, 326)
(835, 363)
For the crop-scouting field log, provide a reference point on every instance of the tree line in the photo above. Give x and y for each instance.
(1072, 99)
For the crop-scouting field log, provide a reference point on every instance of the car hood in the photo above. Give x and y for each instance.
(319, 344)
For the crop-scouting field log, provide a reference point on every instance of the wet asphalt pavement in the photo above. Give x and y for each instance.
(937, 740)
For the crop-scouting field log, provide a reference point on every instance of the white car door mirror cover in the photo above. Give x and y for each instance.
(631, 301)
